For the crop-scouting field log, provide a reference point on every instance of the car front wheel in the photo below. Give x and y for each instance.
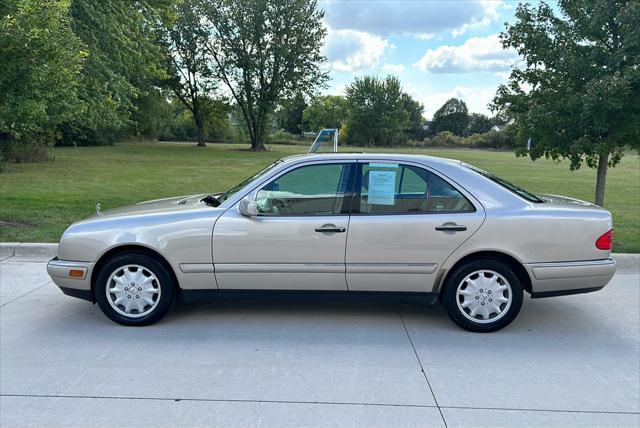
(134, 289)
(483, 295)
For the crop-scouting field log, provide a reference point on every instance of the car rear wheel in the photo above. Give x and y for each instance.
(483, 295)
(134, 289)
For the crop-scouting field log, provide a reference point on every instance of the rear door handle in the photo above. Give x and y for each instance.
(451, 227)
(330, 228)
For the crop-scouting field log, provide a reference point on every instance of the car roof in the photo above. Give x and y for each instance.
(433, 160)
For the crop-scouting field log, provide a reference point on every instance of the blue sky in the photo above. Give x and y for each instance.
(438, 49)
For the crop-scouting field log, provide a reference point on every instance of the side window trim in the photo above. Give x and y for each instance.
(347, 198)
(358, 188)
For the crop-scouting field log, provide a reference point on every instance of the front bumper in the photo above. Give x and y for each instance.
(564, 278)
(76, 286)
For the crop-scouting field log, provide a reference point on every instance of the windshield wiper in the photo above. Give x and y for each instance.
(211, 201)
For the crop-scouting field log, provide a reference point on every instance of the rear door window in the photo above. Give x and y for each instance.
(387, 188)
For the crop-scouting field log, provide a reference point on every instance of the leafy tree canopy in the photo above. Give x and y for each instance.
(264, 51)
(453, 116)
(328, 111)
(577, 92)
(40, 60)
(380, 113)
(478, 124)
(190, 76)
(416, 122)
(290, 114)
(123, 57)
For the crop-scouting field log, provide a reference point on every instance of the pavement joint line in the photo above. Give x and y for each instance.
(424, 373)
(603, 412)
(22, 295)
(323, 403)
(214, 400)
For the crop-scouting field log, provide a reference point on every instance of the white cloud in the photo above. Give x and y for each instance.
(393, 68)
(425, 36)
(490, 8)
(476, 54)
(351, 50)
(410, 17)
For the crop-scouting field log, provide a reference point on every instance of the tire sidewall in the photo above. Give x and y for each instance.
(449, 294)
(167, 287)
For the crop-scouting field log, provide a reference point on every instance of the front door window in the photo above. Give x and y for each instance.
(308, 190)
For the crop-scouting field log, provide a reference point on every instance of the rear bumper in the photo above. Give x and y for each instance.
(564, 278)
(58, 270)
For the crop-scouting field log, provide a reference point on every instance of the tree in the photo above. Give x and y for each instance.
(415, 125)
(40, 59)
(265, 51)
(478, 124)
(377, 113)
(123, 59)
(290, 114)
(453, 116)
(328, 111)
(153, 115)
(577, 94)
(190, 75)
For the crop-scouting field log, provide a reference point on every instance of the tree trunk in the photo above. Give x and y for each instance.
(257, 143)
(603, 164)
(198, 119)
(257, 140)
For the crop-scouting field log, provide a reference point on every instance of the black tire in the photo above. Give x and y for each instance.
(164, 282)
(450, 296)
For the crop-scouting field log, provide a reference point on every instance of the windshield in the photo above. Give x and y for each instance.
(229, 193)
(532, 197)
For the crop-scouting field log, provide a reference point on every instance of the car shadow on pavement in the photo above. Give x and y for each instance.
(556, 321)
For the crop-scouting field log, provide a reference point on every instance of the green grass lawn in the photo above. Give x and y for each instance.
(38, 201)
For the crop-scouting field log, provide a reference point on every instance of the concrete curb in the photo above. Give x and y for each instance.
(19, 249)
(627, 263)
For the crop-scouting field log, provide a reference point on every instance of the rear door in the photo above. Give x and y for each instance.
(406, 220)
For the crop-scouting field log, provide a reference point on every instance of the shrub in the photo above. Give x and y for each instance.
(30, 149)
(499, 140)
(445, 138)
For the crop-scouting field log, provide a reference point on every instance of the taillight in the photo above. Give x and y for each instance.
(605, 242)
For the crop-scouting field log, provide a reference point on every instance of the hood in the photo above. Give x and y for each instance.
(156, 206)
(557, 201)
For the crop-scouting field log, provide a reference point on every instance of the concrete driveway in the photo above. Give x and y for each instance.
(565, 361)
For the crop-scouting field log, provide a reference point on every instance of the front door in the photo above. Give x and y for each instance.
(298, 239)
(406, 221)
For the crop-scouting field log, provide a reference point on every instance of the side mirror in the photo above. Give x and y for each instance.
(248, 207)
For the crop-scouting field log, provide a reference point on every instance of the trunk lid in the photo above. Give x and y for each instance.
(558, 201)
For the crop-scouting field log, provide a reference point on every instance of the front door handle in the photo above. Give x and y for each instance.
(330, 228)
(451, 227)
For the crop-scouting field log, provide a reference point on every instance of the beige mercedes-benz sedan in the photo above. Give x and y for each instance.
(400, 226)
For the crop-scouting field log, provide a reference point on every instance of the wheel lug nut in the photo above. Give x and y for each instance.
(139, 288)
(477, 297)
(129, 296)
(482, 303)
(137, 296)
(481, 290)
(491, 300)
(489, 291)
(126, 288)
